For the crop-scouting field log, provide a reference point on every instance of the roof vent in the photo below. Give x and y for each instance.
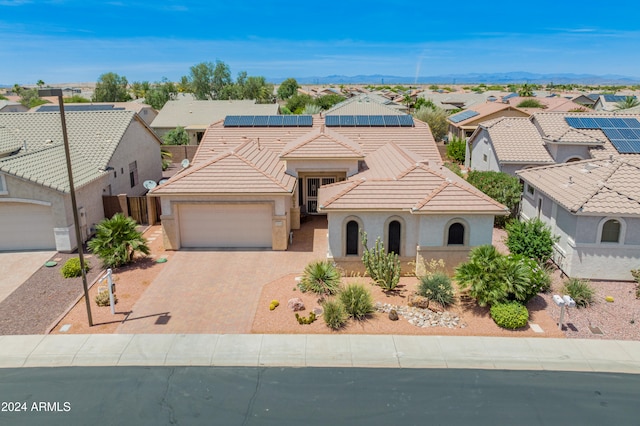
(47, 141)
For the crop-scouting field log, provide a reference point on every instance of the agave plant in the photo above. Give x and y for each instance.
(321, 277)
(117, 240)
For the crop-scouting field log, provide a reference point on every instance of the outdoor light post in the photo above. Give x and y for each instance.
(74, 206)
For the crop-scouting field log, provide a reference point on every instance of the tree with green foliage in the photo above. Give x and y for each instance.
(531, 238)
(531, 103)
(201, 81)
(328, 101)
(298, 102)
(160, 93)
(628, 102)
(166, 158)
(31, 99)
(177, 136)
(288, 88)
(76, 99)
(140, 89)
(436, 118)
(423, 102)
(502, 187)
(456, 149)
(220, 78)
(184, 86)
(257, 88)
(117, 241)
(40, 84)
(525, 91)
(111, 88)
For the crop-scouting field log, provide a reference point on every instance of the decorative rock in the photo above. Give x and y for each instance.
(295, 304)
(318, 311)
(418, 301)
(421, 317)
(393, 315)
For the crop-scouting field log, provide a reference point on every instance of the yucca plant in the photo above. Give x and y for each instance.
(382, 267)
(117, 240)
(580, 291)
(321, 277)
(357, 300)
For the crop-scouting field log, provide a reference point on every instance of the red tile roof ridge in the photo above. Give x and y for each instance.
(317, 133)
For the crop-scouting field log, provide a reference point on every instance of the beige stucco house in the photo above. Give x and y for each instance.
(144, 111)
(463, 124)
(249, 185)
(112, 152)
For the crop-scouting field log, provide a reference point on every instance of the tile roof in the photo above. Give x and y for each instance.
(517, 140)
(485, 110)
(597, 186)
(419, 189)
(8, 142)
(322, 142)
(365, 104)
(201, 114)
(93, 138)
(247, 168)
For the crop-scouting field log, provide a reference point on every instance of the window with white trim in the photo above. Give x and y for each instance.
(610, 231)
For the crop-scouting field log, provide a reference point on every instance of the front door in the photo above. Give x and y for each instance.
(313, 184)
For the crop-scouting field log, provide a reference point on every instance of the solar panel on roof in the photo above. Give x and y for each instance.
(245, 121)
(289, 120)
(618, 123)
(332, 120)
(464, 115)
(362, 120)
(624, 133)
(305, 121)
(231, 121)
(626, 146)
(347, 120)
(376, 121)
(614, 98)
(275, 121)
(260, 120)
(589, 123)
(405, 120)
(604, 123)
(627, 133)
(391, 121)
(633, 123)
(613, 134)
(574, 122)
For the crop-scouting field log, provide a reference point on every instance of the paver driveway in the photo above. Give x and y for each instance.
(218, 291)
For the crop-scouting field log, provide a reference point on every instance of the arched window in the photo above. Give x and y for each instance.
(610, 231)
(573, 159)
(394, 237)
(455, 235)
(353, 236)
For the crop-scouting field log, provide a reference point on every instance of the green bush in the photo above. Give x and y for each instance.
(117, 240)
(530, 103)
(580, 291)
(502, 187)
(102, 298)
(382, 267)
(357, 300)
(320, 277)
(509, 315)
(334, 314)
(456, 149)
(531, 238)
(71, 268)
(436, 287)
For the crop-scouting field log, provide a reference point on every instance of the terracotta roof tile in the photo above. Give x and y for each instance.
(517, 140)
(322, 142)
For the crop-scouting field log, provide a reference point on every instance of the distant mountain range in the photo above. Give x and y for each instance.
(473, 78)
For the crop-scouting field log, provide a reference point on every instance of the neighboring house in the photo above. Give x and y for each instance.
(113, 152)
(585, 100)
(457, 101)
(366, 104)
(550, 104)
(146, 112)
(513, 144)
(609, 102)
(463, 124)
(594, 207)
(195, 116)
(9, 106)
(254, 177)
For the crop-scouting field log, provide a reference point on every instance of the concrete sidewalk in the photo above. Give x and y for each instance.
(317, 350)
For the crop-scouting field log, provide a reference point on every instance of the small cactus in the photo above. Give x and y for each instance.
(306, 320)
(274, 304)
(609, 299)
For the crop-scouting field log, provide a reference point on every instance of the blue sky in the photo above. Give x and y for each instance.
(76, 41)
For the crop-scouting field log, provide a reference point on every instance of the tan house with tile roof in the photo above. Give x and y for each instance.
(483, 112)
(248, 186)
(112, 152)
(594, 207)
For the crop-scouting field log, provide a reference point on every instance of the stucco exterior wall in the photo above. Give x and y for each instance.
(138, 145)
(294, 167)
(482, 146)
(562, 153)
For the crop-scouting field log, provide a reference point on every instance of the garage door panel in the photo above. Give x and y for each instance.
(225, 225)
(26, 226)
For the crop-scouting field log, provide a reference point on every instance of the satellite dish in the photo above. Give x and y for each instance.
(149, 184)
(185, 163)
(162, 181)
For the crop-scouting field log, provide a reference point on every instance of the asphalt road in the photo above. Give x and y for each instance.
(314, 396)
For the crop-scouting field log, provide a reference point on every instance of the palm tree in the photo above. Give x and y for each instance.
(117, 241)
(482, 276)
(40, 83)
(166, 158)
(526, 91)
(629, 102)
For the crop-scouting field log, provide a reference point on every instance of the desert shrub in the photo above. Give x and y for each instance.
(531, 238)
(509, 315)
(357, 300)
(117, 241)
(382, 267)
(456, 149)
(636, 276)
(102, 298)
(306, 320)
(580, 291)
(71, 268)
(502, 187)
(454, 167)
(321, 277)
(530, 103)
(334, 314)
(436, 287)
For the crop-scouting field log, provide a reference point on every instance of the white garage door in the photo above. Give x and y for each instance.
(25, 226)
(225, 225)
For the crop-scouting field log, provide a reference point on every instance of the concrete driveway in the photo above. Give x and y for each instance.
(218, 291)
(16, 267)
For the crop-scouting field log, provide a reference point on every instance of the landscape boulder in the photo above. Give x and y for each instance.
(418, 301)
(295, 304)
